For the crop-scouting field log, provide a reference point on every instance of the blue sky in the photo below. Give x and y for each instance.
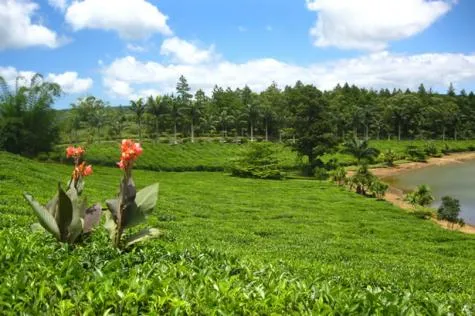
(124, 49)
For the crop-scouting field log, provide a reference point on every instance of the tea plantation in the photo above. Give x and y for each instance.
(215, 156)
(231, 246)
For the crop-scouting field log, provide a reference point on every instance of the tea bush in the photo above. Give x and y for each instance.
(232, 246)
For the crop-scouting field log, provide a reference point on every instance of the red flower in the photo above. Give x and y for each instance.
(130, 151)
(87, 171)
(72, 151)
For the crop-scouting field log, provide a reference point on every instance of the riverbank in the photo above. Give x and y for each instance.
(406, 167)
(395, 195)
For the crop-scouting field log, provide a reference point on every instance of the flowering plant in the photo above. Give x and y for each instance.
(130, 207)
(66, 216)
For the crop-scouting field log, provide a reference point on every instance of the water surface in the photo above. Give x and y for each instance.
(457, 180)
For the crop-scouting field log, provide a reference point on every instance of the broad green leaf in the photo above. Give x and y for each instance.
(111, 226)
(75, 229)
(80, 186)
(65, 213)
(132, 216)
(141, 236)
(52, 204)
(147, 198)
(92, 217)
(113, 206)
(46, 219)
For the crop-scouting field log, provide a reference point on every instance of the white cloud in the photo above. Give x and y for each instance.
(136, 48)
(182, 51)
(58, 4)
(132, 19)
(377, 70)
(17, 30)
(69, 81)
(371, 24)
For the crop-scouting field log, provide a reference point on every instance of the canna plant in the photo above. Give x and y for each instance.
(130, 207)
(66, 216)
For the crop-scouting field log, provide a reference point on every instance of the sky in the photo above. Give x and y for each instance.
(120, 50)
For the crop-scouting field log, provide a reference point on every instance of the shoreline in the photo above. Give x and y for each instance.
(395, 195)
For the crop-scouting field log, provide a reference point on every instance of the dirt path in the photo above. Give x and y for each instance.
(396, 196)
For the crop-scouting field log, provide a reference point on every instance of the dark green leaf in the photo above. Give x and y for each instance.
(65, 213)
(46, 219)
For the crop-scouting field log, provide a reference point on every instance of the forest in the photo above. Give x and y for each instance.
(29, 124)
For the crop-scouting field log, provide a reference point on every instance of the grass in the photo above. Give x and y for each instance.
(233, 245)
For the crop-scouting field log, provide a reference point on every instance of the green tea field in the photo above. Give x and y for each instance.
(232, 246)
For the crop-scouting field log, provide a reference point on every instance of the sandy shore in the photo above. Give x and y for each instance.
(445, 160)
(396, 196)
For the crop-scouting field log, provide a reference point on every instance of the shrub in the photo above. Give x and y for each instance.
(379, 189)
(415, 153)
(338, 175)
(449, 210)
(362, 180)
(421, 196)
(431, 150)
(320, 173)
(258, 161)
(388, 157)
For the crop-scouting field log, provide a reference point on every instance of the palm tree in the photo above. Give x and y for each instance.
(252, 112)
(158, 108)
(192, 112)
(360, 150)
(207, 123)
(139, 108)
(223, 119)
(268, 114)
(175, 114)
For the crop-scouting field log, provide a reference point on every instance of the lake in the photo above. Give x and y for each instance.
(457, 180)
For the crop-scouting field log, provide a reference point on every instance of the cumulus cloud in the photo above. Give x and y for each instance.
(69, 81)
(182, 51)
(127, 76)
(371, 24)
(17, 30)
(132, 19)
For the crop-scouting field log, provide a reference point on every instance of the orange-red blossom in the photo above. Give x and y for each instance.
(130, 151)
(72, 151)
(80, 169)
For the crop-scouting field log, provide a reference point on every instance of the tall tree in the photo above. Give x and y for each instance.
(157, 108)
(139, 108)
(252, 113)
(312, 124)
(28, 124)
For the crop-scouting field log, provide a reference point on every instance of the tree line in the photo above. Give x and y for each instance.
(297, 112)
(273, 113)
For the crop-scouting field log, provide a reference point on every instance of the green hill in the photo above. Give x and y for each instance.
(232, 245)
